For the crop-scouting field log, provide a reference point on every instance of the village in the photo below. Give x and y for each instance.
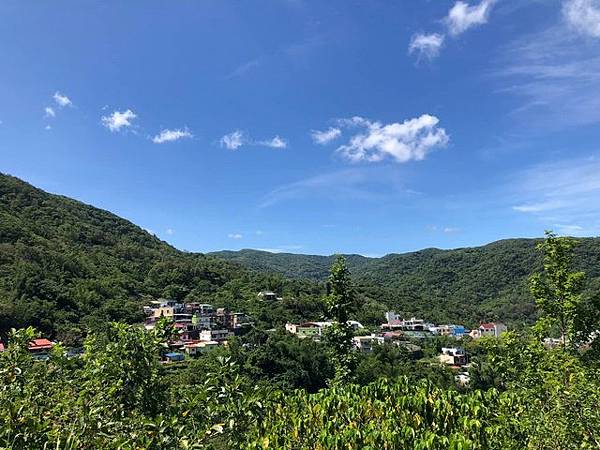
(200, 327)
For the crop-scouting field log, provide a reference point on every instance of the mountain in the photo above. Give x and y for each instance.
(66, 266)
(466, 285)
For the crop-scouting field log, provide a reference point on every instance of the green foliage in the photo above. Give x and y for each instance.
(385, 415)
(338, 304)
(466, 285)
(557, 290)
(66, 267)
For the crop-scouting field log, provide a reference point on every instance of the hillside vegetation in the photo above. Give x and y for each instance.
(467, 284)
(66, 267)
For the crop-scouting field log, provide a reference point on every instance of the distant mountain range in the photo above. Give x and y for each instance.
(66, 266)
(478, 283)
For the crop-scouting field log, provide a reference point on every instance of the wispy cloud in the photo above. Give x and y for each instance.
(583, 16)
(445, 230)
(235, 236)
(461, 16)
(357, 184)
(233, 140)
(167, 135)
(282, 249)
(276, 142)
(410, 140)
(244, 68)
(451, 230)
(564, 192)
(49, 111)
(554, 72)
(170, 232)
(426, 46)
(118, 120)
(326, 136)
(238, 138)
(62, 100)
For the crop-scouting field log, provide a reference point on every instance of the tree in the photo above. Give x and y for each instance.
(557, 290)
(338, 303)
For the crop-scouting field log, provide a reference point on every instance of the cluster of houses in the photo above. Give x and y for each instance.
(200, 327)
(403, 332)
(419, 328)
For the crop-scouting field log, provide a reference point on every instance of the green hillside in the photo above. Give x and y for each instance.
(468, 285)
(66, 266)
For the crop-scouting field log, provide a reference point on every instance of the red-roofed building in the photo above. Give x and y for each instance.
(494, 329)
(40, 345)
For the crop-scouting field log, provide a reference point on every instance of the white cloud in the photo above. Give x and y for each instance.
(276, 142)
(451, 230)
(47, 127)
(282, 249)
(426, 45)
(233, 140)
(118, 120)
(171, 135)
(170, 231)
(461, 16)
(238, 138)
(325, 137)
(410, 140)
(62, 100)
(235, 236)
(49, 111)
(583, 16)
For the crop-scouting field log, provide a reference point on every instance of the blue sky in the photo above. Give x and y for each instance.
(307, 126)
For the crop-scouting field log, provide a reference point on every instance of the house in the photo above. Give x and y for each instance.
(456, 331)
(174, 357)
(231, 320)
(453, 356)
(367, 343)
(494, 329)
(303, 330)
(197, 348)
(214, 335)
(40, 346)
(201, 321)
(202, 309)
(412, 324)
(268, 296)
(1, 347)
(391, 316)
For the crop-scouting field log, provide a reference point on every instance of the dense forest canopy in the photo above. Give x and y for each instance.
(464, 285)
(66, 267)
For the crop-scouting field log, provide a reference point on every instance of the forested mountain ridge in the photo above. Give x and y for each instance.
(66, 266)
(468, 284)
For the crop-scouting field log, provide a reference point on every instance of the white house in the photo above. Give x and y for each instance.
(494, 329)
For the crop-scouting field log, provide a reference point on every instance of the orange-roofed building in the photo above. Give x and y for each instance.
(40, 345)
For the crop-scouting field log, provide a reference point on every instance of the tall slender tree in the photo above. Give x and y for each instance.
(338, 305)
(557, 289)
